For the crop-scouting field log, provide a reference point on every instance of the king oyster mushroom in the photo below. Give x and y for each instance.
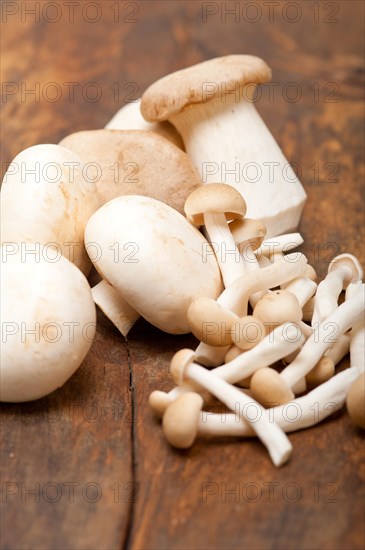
(154, 259)
(211, 105)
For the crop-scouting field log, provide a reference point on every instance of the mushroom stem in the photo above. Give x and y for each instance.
(236, 296)
(357, 334)
(272, 437)
(224, 134)
(302, 287)
(331, 396)
(345, 316)
(228, 257)
(276, 345)
(279, 244)
(113, 305)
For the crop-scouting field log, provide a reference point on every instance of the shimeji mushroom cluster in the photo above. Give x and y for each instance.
(187, 254)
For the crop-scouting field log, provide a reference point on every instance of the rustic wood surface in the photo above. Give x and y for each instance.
(101, 473)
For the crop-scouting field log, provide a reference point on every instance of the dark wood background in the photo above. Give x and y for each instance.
(87, 467)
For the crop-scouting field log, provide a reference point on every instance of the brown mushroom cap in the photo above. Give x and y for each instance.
(278, 307)
(147, 163)
(350, 261)
(181, 420)
(323, 371)
(174, 92)
(215, 198)
(269, 389)
(355, 401)
(179, 362)
(248, 232)
(210, 322)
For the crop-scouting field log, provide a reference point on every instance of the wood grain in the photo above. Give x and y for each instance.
(153, 497)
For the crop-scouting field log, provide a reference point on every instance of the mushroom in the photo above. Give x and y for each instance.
(357, 334)
(181, 419)
(355, 401)
(48, 324)
(212, 106)
(325, 368)
(343, 269)
(129, 117)
(183, 368)
(214, 206)
(153, 257)
(272, 348)
(295, 415)
(210, 322)
(136, 162)
(279, 245)
(46, 201)
(278, 307)
(235, 297)
(340, 321)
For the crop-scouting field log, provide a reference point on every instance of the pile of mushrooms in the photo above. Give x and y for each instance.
(159, 211)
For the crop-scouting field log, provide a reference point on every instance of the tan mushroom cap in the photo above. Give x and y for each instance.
(215, 198)
(136, 162)
(181, 420)
(323, 371)
(269, 389)
(278, 307)
(355, 401)
(248, 332)
(179, 362)
(350, 261)
(210, 322)
(248, 232)
(174, 92)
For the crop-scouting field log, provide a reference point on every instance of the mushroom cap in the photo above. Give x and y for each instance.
(350, 261)
(248, 232)
(278, 307)
(215, 198)
(173, 93)
(45, 199)
(129, 117)
(248, 332)
(355, 401)
(181, 420)
(210, 322)
(321, 372)
(48, 323)
(182, 359)
(154, 258)
(159, 401)
(136, 162)
(269, 389)
(311, 273)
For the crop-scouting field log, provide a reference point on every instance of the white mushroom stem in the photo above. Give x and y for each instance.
(279, 245)
(236, 296)
(329, 331)
(328, 291)
(298, 414)
(339, 349)
(224, 138)
(276, 345)
(357, 334)
(272, 437)
(230, 261)
(110, 301)
(302, 287)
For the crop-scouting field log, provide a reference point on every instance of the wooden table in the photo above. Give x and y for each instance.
(87, 467)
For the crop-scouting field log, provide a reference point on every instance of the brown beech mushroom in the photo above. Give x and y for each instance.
(211, 105)
(129, 117)
(183, 368)
(210, 322)
(278, 307)
(181, 419)
(135, 162)
(214, 206)
(268, 389)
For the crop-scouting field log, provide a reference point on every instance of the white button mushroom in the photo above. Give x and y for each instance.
(211, 105)
(48, 323)
(46, 201)
(155, 259)
(129, 117)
